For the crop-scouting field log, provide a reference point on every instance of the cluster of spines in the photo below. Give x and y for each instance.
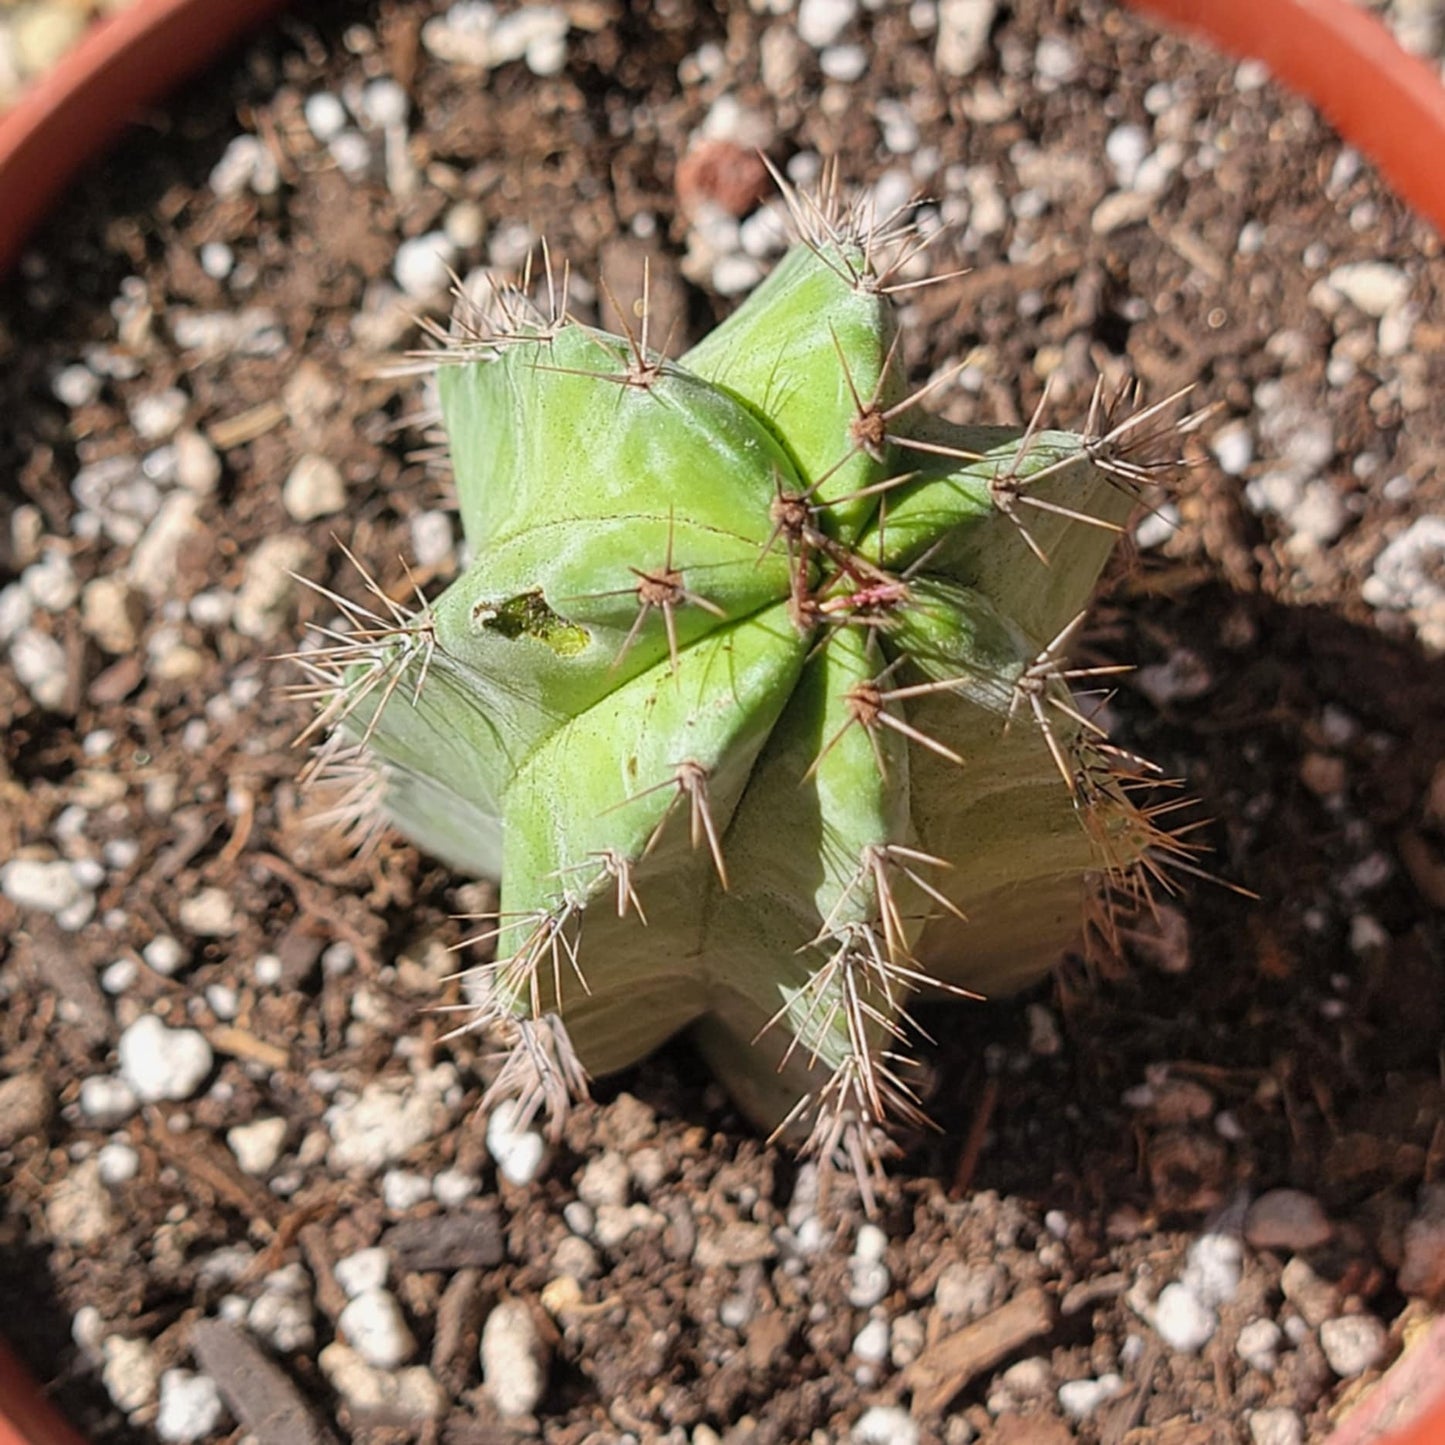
(867, 969)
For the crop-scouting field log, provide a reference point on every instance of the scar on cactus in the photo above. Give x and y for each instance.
(756, 695)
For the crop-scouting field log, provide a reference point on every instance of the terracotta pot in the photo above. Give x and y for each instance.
(125, 62)
(26, 1416)
(1386, 103)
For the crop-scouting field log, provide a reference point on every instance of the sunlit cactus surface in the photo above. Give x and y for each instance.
(755, 694)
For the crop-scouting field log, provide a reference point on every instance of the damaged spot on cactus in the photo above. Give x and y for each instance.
(528, 615)
(788, 755)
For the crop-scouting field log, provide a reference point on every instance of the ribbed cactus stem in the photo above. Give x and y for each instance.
(756, 694)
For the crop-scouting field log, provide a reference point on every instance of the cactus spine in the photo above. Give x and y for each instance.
(755, 695)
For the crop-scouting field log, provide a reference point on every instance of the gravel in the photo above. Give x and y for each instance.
(374, 1326)
(1287, 1219)
(1353, 1344)
(519, 1153)
(190, 1406)
(258, 1146)
(385, 1123)
(513, 1358)
(364, 1271)
(314, 488)
(130, 1374)
(1080, 1399)
(1182, 1320)
(1279, 1426)
(159, 1062)
(885, 1425)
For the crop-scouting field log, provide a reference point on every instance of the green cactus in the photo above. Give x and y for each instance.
(753, 695)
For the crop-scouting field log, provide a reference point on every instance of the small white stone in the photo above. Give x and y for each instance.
(519, 1153)
(869, 1283)
(1079, 1399)
(403, 1189)
(47, 887)
(1183, 1322)
(119, 977)
(16, 609)
(163, 1063)
(190, 1408)
(513, 1359)
(1407, 573)
(870, 1344)
(1279, 1426)
(1157, 526)
(963, 34)
(1374, 287)
(157, 415)
(284, 1318)
(51, 582)
(1056, 62)
(764, 233)
(1125, 148)
(374, 1326)
(845, 64)
(79, 1208)
(198, 468)
(423, 265)
(217, 259)
(106, 1100)
(965, 1292)
(617, 1222)
(1258, 1345)
(453, 1187)
(1353, 1344)
(383, 1125)
(130, 1373)
(412, 1394)
(314, 488)
(384, 103)
(821, 22)
(465, 225)
(237, 167)
(884, 1425)
(40, 664)
(605, 1180)
(118, 1164)
(75, 385)
(267, 587)
(352, 153)
(210, 913)
(735, 274)
(325, 116)
(871, 1245)
(1214, 1268)
(164, 954)
(362, 1272)
(258, 1145)
(432, 539)
(1233, 448)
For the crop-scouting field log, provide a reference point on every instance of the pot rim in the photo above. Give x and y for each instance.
(1382, 100)
(124, 62)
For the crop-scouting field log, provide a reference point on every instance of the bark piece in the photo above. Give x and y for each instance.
(946, 1367)
(468, 1240)
(260, 1394)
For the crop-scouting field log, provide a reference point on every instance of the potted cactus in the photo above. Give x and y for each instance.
(755, 695)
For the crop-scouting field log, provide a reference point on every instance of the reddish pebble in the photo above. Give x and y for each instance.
(1287, 1219)
(723, 174)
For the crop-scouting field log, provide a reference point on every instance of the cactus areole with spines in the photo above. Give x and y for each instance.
(754, 695)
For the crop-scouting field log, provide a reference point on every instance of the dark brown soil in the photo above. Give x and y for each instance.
(1287, 1038)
